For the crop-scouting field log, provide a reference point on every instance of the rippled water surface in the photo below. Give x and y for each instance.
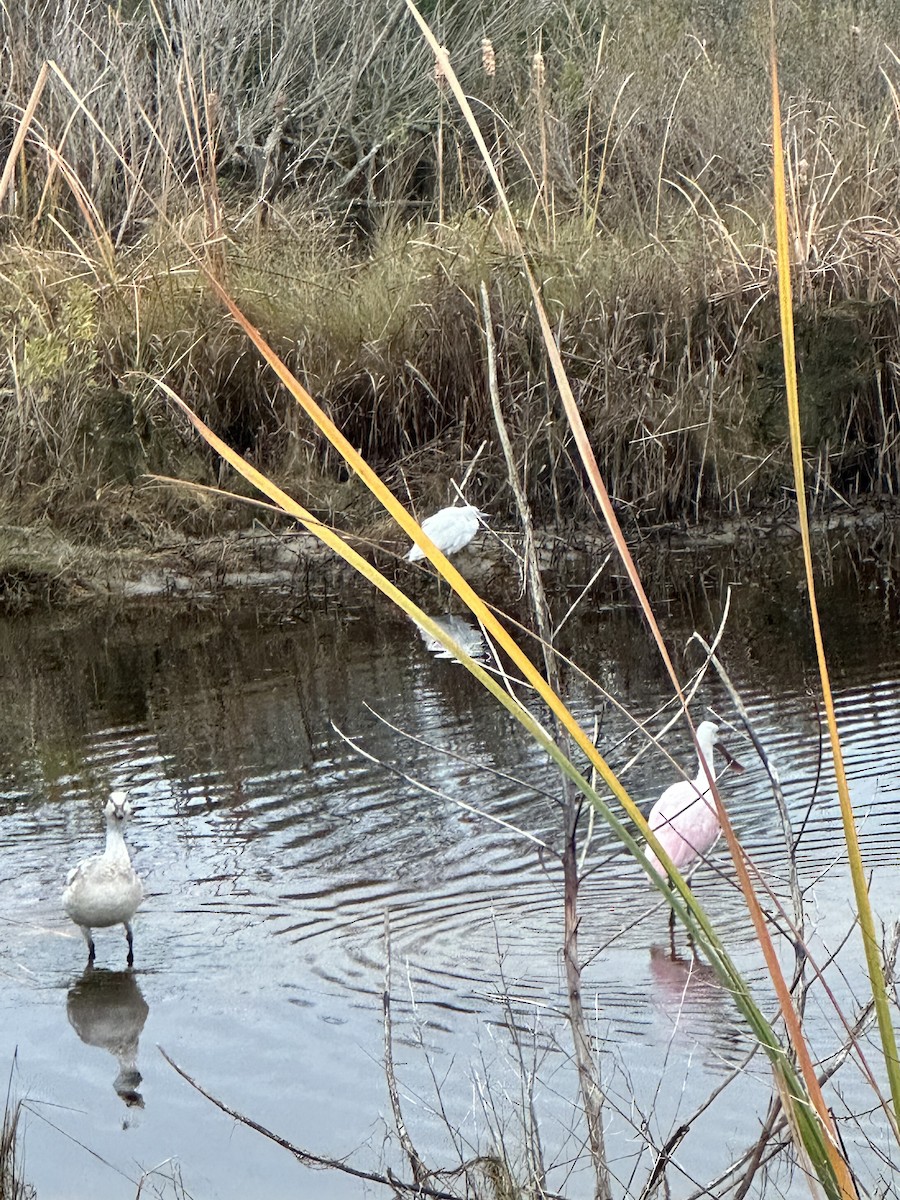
(273, 852)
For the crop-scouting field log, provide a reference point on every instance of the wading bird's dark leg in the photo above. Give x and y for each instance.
(86, 934)
(671, 907)
(671, 924)
(130, 938)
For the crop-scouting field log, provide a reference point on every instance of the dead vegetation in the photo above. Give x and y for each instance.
(12, 1179)
(309, 155)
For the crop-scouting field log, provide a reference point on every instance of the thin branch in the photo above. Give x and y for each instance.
(306, 1157)
(430, 791)
(419, 1170)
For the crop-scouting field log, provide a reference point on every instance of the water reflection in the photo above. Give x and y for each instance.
(464, 632)
(688, 995)
(274, 850)
(107, 1009)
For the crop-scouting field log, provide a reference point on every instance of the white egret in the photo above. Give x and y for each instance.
(450, 529)
(106, 890)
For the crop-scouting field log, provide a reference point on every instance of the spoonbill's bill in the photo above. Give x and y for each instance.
(106, 890)
(684, 818)
(450, 529)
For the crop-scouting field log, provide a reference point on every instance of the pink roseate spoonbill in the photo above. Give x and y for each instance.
(684, 818)
(106, 890)
(450, 529)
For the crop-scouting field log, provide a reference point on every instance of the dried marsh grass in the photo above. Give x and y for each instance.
(12, 1180)
(305, 151)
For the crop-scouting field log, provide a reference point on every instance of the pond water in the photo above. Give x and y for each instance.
(273, 854)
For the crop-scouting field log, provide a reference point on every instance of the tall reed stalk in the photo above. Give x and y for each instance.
(871, 944)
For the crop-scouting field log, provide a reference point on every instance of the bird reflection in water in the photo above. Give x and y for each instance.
(463, 633)
(107, 1009)
(690, 995)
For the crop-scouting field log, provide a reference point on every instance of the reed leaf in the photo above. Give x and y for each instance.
(871, 945)
(698, 924)
(22, 131)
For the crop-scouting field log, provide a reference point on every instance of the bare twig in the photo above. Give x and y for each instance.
(419, 1170)
(430, 791)
(587, 1065)
(306, 1157)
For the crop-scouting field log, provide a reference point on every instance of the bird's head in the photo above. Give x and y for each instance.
(118, 807)
(472, 510)
(709, 736)
(708, 733)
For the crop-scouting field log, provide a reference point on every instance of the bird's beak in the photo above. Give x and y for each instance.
(730, 761)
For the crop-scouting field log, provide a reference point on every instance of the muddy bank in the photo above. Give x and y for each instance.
(43, 567)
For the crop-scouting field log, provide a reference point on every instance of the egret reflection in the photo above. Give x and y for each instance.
(464, 632)
(107, 1009)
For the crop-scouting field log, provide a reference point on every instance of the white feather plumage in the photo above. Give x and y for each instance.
(105, 889)
(450, 529)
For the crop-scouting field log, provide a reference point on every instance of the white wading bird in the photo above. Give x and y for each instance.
(105, 890)
(684, 818)
(450, 529)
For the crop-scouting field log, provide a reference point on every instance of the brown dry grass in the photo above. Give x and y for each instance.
(313, 182)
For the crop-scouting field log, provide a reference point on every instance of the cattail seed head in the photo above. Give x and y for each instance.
(439, 77)
(488, 57)
(538, 71)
